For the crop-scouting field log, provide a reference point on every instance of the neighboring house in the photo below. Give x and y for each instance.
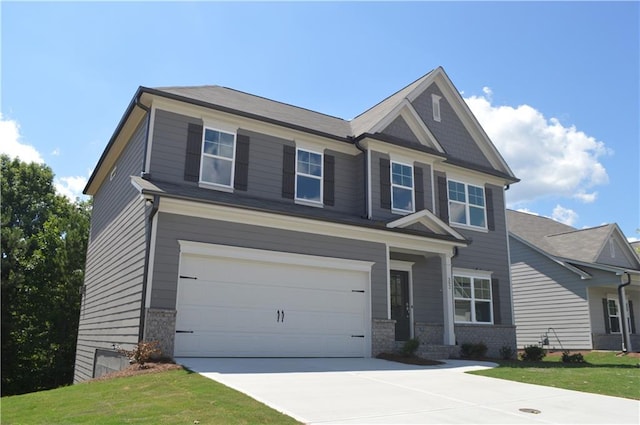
(227, 224)
(567, 280)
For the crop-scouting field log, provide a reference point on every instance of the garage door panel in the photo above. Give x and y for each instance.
(234, 308)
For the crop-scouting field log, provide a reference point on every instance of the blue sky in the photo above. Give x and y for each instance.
(556, 85)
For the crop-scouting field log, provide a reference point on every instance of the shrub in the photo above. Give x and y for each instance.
(142, 352)
(533, 353)
(410, 347)
(572, 358)
(471, 350)
(506, 352)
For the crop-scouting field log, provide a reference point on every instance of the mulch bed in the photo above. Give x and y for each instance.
(412, 360)
(134, 369)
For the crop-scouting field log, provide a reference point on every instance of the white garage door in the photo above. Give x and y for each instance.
(249, 303)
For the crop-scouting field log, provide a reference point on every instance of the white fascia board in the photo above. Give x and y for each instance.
(475, 177)
(305, 225)
(211, 115)
(470, 122)
(429, 220)
(267, 256)
(603, 267)
(400, 151)
(420, 130)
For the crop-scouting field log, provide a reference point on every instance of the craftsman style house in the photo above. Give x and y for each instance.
(573, 288)
(227, 224)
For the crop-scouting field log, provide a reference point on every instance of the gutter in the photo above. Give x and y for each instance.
(155, 205)
(365, 176)
(145, 108)
(626, 340)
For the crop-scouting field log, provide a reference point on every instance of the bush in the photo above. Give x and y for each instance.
(533, 353)
(471, 350)
(506, 352)
(410, 347)
(142, 352)
(572, 358)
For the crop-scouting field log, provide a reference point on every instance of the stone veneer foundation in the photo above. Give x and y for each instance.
(160, 325)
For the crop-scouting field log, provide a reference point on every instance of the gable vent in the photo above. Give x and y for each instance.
(435, 104)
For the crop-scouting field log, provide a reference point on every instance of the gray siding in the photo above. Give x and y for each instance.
(110, 311)
(489, 251)
(450, 132)
(169, 146)
(378, 213)
(172, 228)
(596, 294)
(399, 128)
(265, 163)
(540, 302)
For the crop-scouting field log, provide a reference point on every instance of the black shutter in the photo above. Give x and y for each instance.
(633, 319)
(491, 222)
(418, 185)
(194, 150)
(495, 295)
(443, 199)
(385, 184)
(289, 172)
(605, 309)
(241, 176)
(329, 180)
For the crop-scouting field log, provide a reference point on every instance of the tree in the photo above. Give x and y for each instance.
(44, 240)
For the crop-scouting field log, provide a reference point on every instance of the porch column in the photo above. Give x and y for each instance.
(447, 299)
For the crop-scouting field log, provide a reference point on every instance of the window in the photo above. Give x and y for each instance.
(435, 105)
(309, 176)
(466, 204)
(402, 187)
(218, 153)
(472, 298)
(614, 315)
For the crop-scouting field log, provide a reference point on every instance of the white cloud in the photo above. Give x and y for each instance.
(550, 159)
(56, 152)
(71, 187)
(564, 215)
(12, 144)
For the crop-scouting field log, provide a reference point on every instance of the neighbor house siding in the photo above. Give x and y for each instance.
(450, 132)
(110, 310)
(547, 295)
(172, 228)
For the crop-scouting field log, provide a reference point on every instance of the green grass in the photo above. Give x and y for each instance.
(604, 373)
(171, 397)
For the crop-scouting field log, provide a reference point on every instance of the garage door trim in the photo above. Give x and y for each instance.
(234, 252)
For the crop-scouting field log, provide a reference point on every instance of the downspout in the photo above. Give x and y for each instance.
(626, 340)
(365, 179)
(145, 108)
(155, 205)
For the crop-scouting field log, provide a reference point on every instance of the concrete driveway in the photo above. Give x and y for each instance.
(373, 391)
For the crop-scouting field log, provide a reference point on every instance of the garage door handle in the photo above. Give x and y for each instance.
(280, 317)
(184, 332)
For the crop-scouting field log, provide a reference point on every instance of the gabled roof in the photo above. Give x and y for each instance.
(364, 125)
(563, 243)
(428, 220)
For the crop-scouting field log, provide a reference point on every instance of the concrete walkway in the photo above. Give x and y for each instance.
(373, 391)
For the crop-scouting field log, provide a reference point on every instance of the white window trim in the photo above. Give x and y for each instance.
(212, 185)
(472, 274)
(615, 299)
(467, 206)
(303, 201)
(412, 188)
(435, 106)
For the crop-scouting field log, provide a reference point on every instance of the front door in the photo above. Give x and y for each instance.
(400, 308)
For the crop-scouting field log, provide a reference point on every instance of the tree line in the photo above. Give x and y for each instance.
(44, 241)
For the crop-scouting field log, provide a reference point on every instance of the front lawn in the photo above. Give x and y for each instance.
(604, 373)
(172, 397)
